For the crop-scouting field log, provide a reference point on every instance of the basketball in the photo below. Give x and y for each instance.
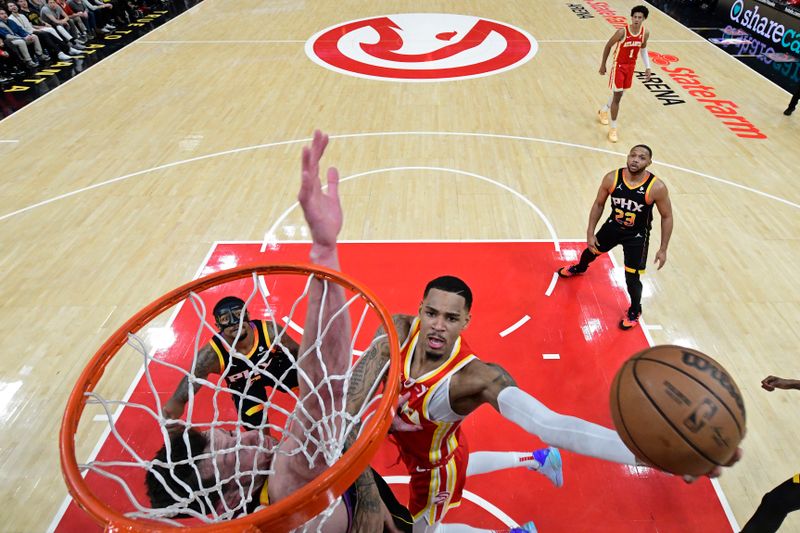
(678, 410)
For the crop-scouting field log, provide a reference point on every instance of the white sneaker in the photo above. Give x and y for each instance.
(63, 57)
(549, 460)
(75, 52)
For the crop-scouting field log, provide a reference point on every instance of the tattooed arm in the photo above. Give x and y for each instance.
(207, 363)
(371, 514)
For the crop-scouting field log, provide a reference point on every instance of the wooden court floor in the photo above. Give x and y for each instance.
(115, 185)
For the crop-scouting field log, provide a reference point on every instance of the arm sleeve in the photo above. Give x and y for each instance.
(567, 432)
(645, 58)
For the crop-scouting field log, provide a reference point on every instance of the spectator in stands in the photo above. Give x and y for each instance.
(54, 45)
(18, 39)
(77, 18)
(32, 13)
(102, 12)
(55, 16)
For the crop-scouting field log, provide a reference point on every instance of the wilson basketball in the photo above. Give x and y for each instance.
(678, 410)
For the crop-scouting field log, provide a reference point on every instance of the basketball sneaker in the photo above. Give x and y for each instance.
(629, 322)
(527, 527)
(602, 116)
(612, 135)
(569, 271)
(549, 460)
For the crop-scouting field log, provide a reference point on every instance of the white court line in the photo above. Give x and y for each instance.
(270, 236)
(553, 282)
(9, 141)
(467, 495)
(379, 134)
(515, 326)
(292, 325)
(551, 356)
(276, 41)
(723, 500)
(296, 41)
(653, 326)
(595, 41)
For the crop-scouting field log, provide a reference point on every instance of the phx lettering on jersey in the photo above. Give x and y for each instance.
(632, 206)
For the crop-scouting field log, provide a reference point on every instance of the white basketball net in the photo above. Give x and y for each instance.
(205, 501)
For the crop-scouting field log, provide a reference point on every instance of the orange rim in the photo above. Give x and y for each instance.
(290, 512)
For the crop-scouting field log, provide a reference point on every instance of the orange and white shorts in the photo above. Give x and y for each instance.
(435, 491)
(621, 77)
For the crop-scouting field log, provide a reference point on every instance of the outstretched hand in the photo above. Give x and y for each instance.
(717, 471)
(770, 383)
(322, 210)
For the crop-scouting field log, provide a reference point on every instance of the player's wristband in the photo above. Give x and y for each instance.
(645, 58)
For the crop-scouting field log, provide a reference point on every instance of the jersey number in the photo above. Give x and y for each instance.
(624, 218)
(633, 53)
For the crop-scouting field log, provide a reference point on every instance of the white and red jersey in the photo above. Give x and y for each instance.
(627, 49)
(436, 443)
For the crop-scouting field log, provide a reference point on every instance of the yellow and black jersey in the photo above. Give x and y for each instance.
(251, 374)
(632, 207)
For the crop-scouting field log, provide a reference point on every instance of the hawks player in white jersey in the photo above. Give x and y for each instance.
(627, 42)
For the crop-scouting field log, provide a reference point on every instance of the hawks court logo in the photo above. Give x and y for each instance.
(420, 47)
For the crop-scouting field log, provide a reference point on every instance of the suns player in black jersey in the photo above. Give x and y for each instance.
(255, 344)
(633, 191)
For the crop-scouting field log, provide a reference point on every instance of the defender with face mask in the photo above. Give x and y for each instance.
(254, 347)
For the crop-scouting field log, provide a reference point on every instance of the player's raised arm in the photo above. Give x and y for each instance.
(320, 355)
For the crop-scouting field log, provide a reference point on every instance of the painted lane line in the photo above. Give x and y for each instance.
(515, 326)
(467, 495)
(552, 286)
(379, 134)
(550, 356)
(277, 41)
(270, 235)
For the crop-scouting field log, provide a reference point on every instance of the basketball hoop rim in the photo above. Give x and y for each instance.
(287, 514)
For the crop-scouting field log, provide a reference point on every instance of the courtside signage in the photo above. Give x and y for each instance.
(690, 81)
(421, 47)
(769, 24)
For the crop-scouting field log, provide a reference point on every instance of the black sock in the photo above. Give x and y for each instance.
(586, 257)
(635, 292)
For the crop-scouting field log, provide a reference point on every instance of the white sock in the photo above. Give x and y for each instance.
(565, 432)
(613, 123)
(485, 462)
